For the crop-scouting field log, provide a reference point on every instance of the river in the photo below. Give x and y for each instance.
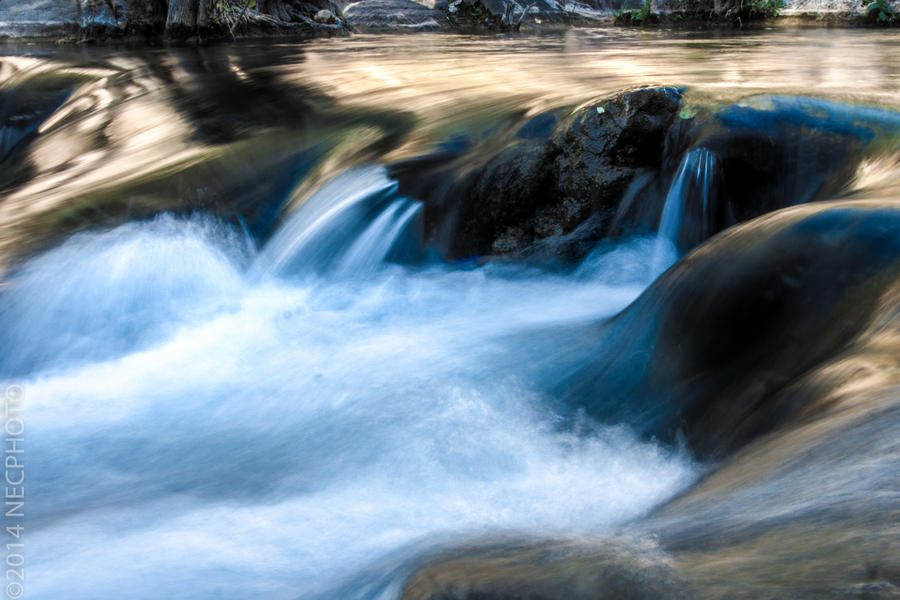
(250, 369)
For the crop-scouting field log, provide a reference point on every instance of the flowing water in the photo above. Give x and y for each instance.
(248, 374)
(696, 171)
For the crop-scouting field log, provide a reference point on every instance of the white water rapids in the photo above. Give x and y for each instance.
(205, 421)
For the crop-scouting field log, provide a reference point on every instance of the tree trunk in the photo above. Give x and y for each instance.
(275, 8)
(181, 21)
(203, 14)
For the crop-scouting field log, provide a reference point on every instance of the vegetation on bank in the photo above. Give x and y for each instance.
(199, 20)
(883, 11)
(740, 12)
(183, 19)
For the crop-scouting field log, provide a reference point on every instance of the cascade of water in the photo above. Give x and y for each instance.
(695, 174)
(374, 245)
(706, 182)
(335, 226)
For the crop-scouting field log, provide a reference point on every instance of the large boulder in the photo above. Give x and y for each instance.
(502, 200)
(607, 169)
(707, 353)
(545, 187)
(602, 147)
(770, 152)
(397, 15)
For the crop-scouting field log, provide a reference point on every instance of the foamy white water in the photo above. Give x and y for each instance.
(199, 430)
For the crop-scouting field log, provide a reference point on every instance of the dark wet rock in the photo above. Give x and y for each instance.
(541, 189)
(399, 15)
(785, 154)
(601, 147)
(626, 131)
(706, 350)
(502, 201)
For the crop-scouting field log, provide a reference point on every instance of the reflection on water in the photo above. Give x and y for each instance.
(434, 74)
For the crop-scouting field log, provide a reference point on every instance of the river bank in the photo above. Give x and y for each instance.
(80, 21)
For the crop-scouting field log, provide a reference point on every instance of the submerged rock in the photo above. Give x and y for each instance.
(804, 512)
(614, 568)
(708, 350)
(770, 152)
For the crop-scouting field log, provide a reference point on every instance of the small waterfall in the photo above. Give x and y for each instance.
(350, 225)
(374, 246)
(694, 177)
